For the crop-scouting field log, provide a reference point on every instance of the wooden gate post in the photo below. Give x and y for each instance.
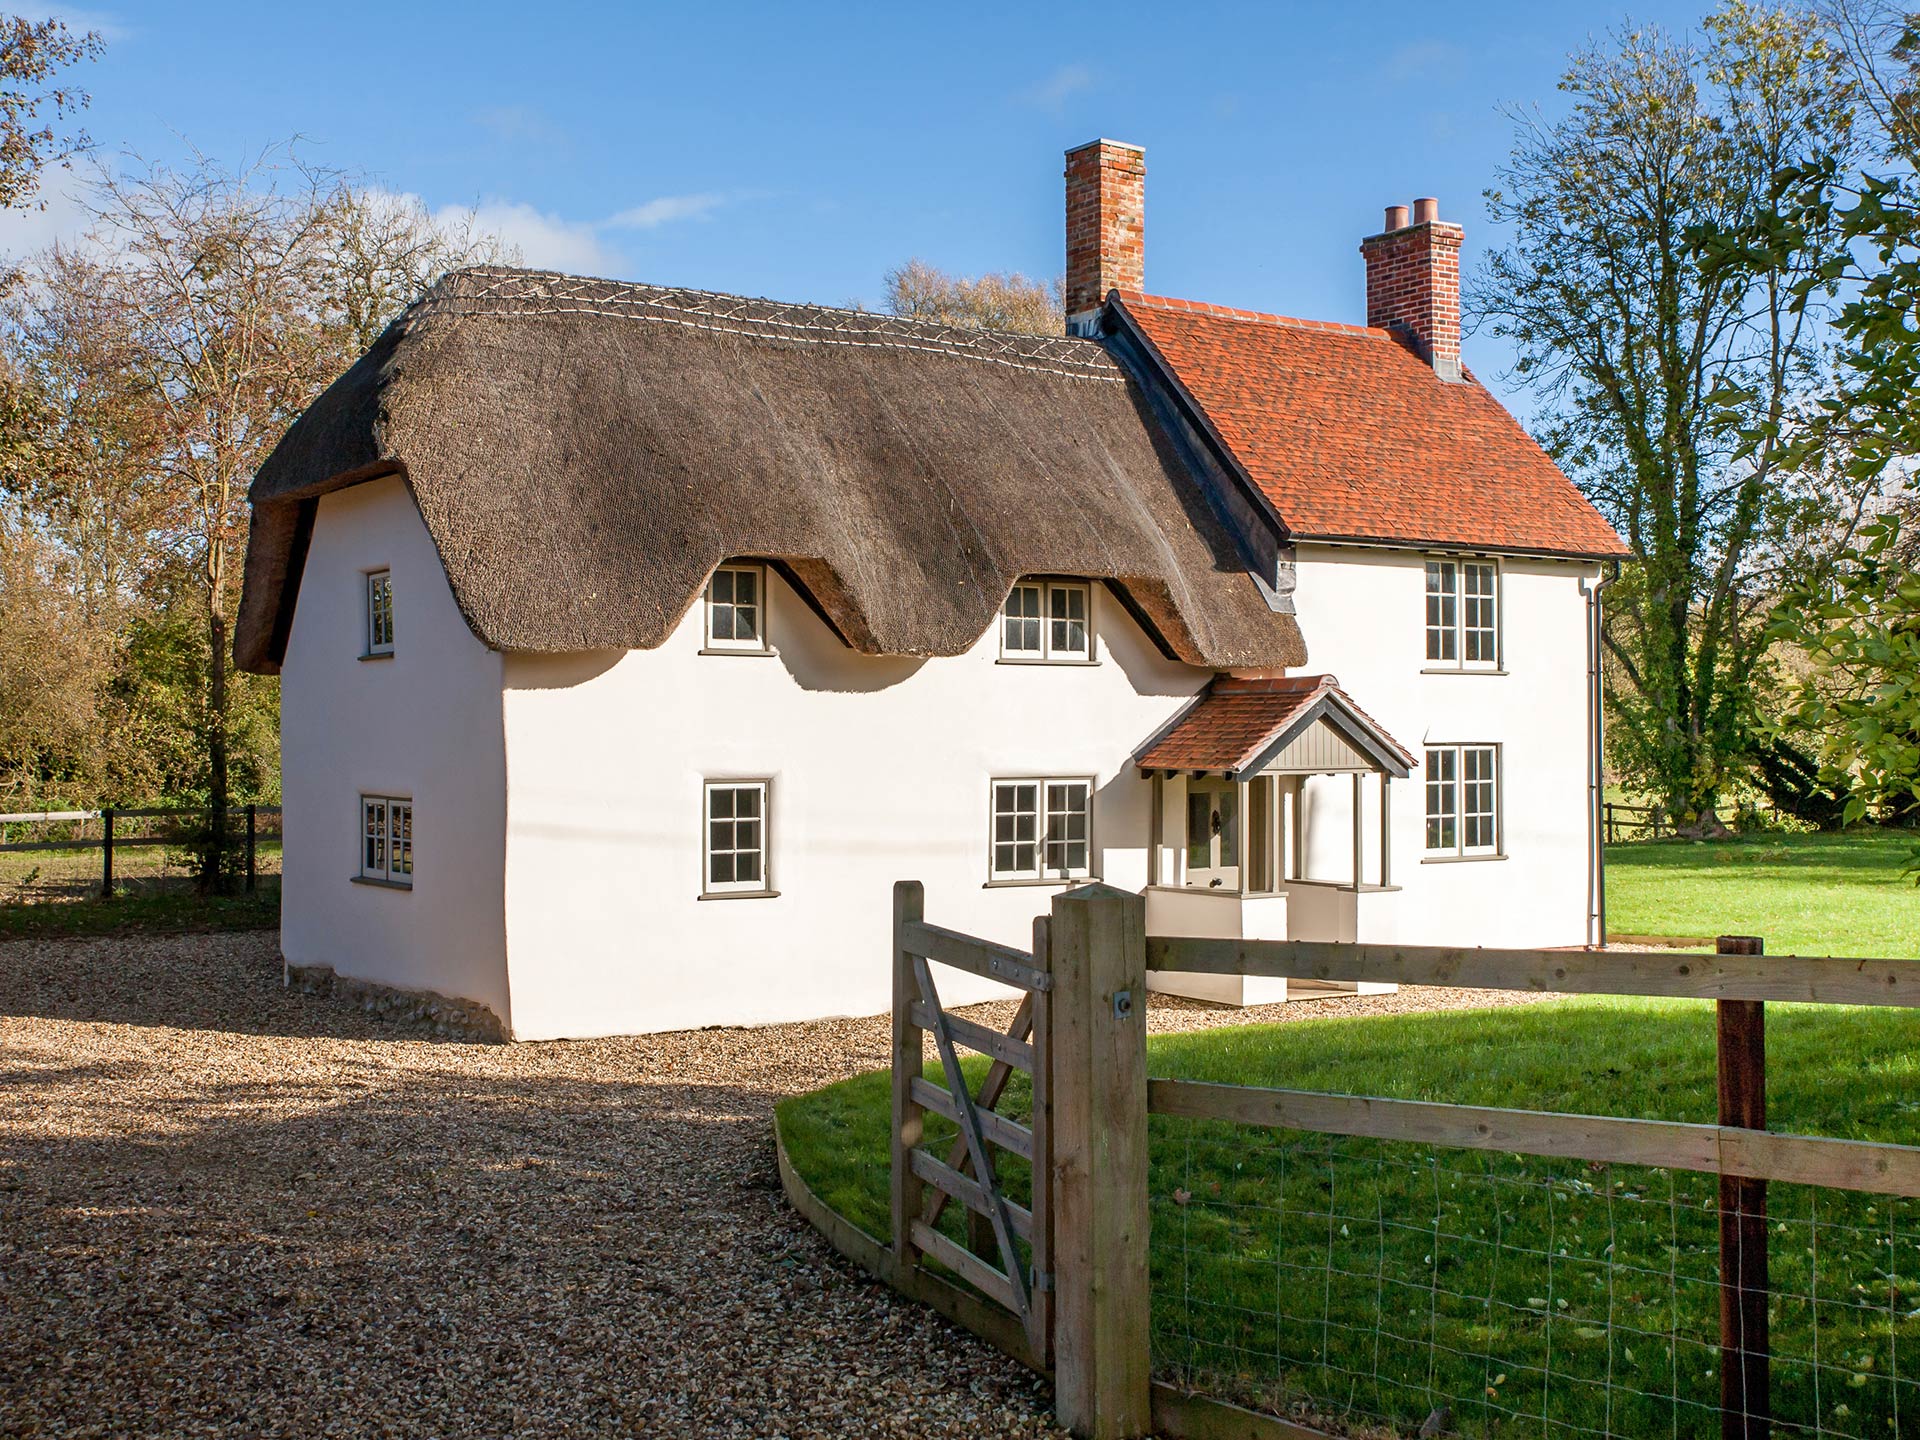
(1097, 946)
(909, 1120)
(1746, 1409)
(106, 853)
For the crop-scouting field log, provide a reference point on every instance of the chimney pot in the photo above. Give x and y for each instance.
(1426, 211)
(1106, 227)
(1396, 217)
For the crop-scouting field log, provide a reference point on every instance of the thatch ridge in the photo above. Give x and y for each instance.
(584, 452)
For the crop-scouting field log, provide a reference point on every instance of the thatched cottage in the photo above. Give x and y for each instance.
(634, 640)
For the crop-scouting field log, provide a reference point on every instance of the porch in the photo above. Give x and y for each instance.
(1262, 791)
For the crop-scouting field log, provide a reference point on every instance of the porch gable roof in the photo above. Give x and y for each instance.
(1237, 726)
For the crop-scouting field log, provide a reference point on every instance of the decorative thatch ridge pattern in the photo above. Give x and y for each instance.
(585, 452)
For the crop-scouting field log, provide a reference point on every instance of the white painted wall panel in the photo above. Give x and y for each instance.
(880, 771)
(425, 724)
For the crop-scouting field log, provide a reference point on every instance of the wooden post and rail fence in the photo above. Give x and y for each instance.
(112, 838)
(1059, 1278)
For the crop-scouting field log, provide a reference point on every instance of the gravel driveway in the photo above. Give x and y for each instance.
(230, 1210)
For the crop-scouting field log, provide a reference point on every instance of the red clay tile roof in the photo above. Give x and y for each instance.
(1351, 436)
(1231, 725)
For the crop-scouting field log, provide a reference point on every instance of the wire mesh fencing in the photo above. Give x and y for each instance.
(1371, 1287)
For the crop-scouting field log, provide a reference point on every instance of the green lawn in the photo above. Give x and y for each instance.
(1364, 1280)
(145, 911)
(1805, 894)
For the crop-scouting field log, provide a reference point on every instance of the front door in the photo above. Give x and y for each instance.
(1213, 834)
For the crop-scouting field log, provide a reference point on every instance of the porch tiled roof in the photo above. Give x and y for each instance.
(1351, 436)
(1235, 721)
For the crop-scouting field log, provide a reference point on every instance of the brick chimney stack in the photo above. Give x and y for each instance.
(1106, 226)
(1413, 283)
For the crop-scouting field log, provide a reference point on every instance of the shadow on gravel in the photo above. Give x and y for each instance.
(225, 982)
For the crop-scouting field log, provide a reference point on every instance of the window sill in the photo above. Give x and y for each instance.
(1072, 664)
(1458, 859)
(379, 884)
(739, 895)
(763, 652)
(378, 655)
(1463, 670)
(1039, 884)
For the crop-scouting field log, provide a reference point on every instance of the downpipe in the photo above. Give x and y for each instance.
(1596, 811)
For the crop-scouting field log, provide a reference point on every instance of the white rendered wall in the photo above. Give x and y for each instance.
(880, 771)
(1362, 612)
(424, 724)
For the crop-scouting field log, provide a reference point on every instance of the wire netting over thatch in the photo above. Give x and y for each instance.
(585, 452)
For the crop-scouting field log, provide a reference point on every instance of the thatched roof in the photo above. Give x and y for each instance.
(585, 453)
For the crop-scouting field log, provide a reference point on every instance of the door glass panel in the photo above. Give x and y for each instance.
(1199, 831)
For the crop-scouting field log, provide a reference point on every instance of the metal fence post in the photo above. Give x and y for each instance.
(1098, 950)
(253, 819)
(1746, 1408)
(106, 854)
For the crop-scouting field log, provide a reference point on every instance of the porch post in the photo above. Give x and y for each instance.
(1156, 827)
(1386, 829)
(1243, 824)
(1358, 829)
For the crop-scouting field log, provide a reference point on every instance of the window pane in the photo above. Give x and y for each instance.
(1442, 799)
(1021, 630)
(746, 587)
(722, 621)
(720, 869)
(1199, 829)
(723, 587)
(1477, 800)
(1442, 614)
(1015, 829)
(747, 865)
(1228, 804)
(1478, 622)
(1067, 609)
(1066, 846)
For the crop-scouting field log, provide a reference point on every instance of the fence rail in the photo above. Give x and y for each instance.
(109, 840)
(1651, 820)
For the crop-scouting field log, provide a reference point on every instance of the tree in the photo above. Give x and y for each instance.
(993, 301)
(1669, 384)
(31, 52)
(55, 661)
(1860, 626)
(162, 362)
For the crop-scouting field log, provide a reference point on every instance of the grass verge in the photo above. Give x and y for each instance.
(1371, 1282)
(1807, 894)
(149, 912)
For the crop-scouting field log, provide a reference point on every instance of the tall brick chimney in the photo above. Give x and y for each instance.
(1106, 226)
(1413, 283)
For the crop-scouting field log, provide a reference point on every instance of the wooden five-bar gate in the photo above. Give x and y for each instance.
(1059, 1279)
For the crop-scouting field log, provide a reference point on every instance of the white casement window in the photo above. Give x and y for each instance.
(736, 823)
(737, 608)
(379, 636)
(1042, 829)
(1463, 800)
(386, 840)
(1048, 620)
(1463, 614)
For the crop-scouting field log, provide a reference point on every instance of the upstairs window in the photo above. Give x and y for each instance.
(386, 840)
(1042, 829)
(379, 635)
(737, 608)
(1463, 801)
(1463, 614)
(1048, 620)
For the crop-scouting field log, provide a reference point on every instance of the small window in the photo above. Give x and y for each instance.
(736, 608)
(380, 612)
(386, 840)
(1463, 614)
(1047, 621)
(736, 837)
(1463, 800)
(1042, 829)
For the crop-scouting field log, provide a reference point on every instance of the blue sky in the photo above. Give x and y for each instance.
(798, 151)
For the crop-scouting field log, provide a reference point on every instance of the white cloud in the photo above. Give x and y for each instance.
(664, 210)
(23, 231)
(1060, 86)
(108, 26)
(545, 241)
